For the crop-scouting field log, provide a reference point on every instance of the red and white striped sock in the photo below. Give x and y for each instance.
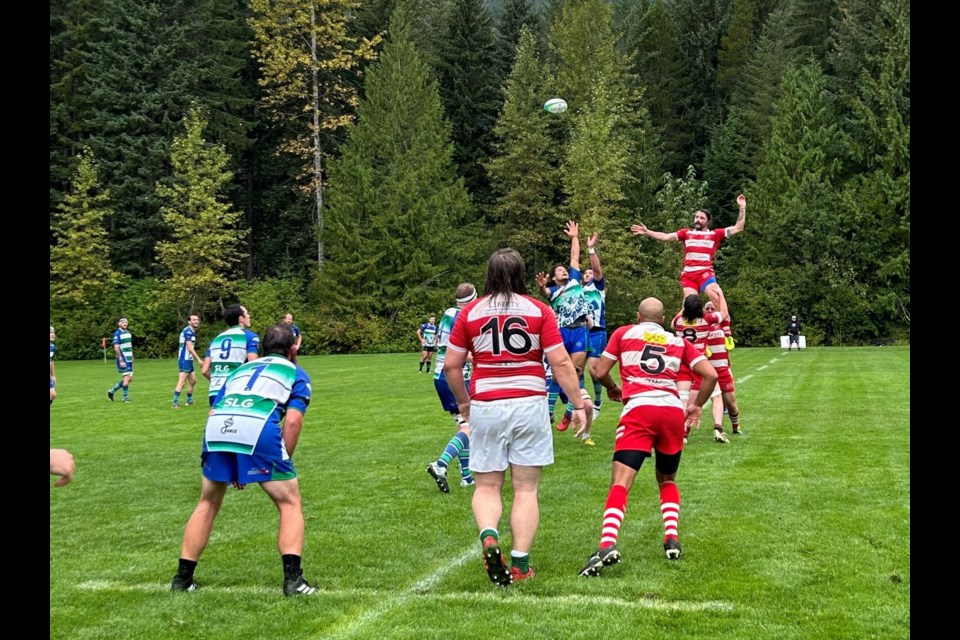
(669, 509)
(613, 513)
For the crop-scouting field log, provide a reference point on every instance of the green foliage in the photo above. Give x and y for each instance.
(735, 45)
(206, 237)
(400, 231)
(268, 300)
(524, 167)
(305, 51)
(469, 85)
(515, 15)
(80, 269)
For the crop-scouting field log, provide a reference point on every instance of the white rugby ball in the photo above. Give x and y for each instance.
(555, 105)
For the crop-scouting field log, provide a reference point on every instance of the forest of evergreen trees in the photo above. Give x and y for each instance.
(351, 161)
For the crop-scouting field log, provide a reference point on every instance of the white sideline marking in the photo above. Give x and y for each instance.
(744, 379)
(762, 368)
(392, 599)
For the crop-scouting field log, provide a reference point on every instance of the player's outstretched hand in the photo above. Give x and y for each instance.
(639, 229)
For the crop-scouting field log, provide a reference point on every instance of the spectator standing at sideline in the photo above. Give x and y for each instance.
(793, 333)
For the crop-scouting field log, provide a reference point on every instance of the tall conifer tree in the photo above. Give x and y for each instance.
(400, 230)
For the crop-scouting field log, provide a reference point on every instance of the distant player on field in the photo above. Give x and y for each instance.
(427, 334)
(53, 375)
(123, 349)
(186, 357)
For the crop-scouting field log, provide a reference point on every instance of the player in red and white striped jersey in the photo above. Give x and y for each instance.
(508, 334)
(700, 245)
(693, 324)
(716, 345)
(653, 419)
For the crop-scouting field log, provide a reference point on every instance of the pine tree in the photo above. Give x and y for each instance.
(126, 86)
(207, 241)
(650, 41)
(877, 198)
(400, 228)
(469, 83)
(80, 270)
(305, 50)
(524, 168)
(516, 14)
(735, 46)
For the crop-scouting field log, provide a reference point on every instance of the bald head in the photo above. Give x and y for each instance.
(650, 310)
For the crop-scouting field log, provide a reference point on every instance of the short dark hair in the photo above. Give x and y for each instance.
(232, 314)
(707, 213)
(279, 339)
(553, 272)
(692, 307)
(506, 274)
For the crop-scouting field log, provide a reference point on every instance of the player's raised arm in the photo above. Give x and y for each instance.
(573, 230)
(741, 217)
(594, 257)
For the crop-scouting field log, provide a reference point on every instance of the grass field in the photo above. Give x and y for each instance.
(799, 529)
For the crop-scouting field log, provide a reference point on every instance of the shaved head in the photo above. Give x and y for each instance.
(650, 310)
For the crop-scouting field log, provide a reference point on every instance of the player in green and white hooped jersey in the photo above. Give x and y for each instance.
(123, 349)
(230, 349)
(251, 435)
(459, 445)
(594, 290)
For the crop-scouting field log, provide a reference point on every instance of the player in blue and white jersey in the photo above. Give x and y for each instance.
(230, 349)
(251, 435)
(123, 349)
(427, 333)
(288, 320)
(594, 290)
(459, 445)
(564, 289)
(186, 357)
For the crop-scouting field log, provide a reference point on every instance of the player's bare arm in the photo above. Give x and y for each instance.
(741, 217)
(542, 284)
(642, 230)
(594, 256)
(573, 230)
(601, 371)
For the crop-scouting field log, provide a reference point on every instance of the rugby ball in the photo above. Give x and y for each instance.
(555, 105)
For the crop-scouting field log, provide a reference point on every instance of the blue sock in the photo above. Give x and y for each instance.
(553, 392)
(189, 397)
(464, 456)
(598, 394)
(126, 391)
(176, 397)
